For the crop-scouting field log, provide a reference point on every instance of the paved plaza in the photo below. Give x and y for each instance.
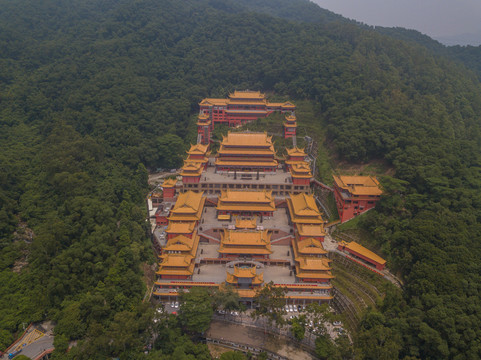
(278, 222)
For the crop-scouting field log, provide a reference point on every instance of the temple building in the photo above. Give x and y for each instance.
(308, 247)
(290, 126)
(196, 162)
(183, 245)
(246, 203)
(303, 210)
(294, 155)
(244, 277)
(188, 207)
(299, 168)
(191, 172)
(199, 153)
(355, 195)
(239, 108)
(246, 152)
(361, 252)
(168, 189)
(175, 228)
(252, 244)
(312, 269)
(204, 128)
(176, 266)
(308, 231)
(246, 224)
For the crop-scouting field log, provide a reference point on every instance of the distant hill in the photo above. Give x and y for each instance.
(467, 39)
(294, 10)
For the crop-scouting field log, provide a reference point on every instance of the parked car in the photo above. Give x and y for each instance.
(337, 323)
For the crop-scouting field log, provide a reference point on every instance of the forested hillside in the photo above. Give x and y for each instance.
(94, 92)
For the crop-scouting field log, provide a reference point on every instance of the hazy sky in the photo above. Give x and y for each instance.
(436, 18)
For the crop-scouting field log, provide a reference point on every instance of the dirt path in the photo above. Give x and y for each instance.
(256, 338)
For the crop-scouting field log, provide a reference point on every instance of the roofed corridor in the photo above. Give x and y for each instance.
(280, 182)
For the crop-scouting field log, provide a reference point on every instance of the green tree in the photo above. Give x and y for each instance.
(270, 301)
(233, 355)
(195, 313)
(298, 327)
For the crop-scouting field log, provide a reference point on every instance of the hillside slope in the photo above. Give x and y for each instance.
(93, 91)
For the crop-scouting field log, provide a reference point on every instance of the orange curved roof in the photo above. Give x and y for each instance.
(359, 185)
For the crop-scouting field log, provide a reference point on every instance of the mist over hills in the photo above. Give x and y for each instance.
(94, 92)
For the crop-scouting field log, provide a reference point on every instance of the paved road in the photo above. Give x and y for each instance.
(36, 348)
(256, 338)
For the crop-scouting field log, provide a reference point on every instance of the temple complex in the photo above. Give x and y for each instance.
(239, 108)
(355, 195)
(248, 161)
(246, 217)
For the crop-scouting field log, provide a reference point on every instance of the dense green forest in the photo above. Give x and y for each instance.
(93, 93)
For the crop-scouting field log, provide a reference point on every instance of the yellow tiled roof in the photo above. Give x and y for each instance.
(246, 196)
(203, 123)
(192, 168)
(247, 150)
(176, 260)
(303, 206)
(236, 237)
(189, 202)
(247, 139)
(290, 117)
(300, 170)
(168, 183)
(201, 161)
(247, 95)
(239, 272)
(303, 286)
(243, 293)
(183, 243)
(198, 149)
(212, 101)
(313, 296)
(243, 250)
(185, 283)
(246, 200)
(289, 125)
(354, 246)
(274, 104)
(310, 230)
(287, 104)
(246, 224)
(180, 228)
(313, 264)
(309, 246)
(358, 185)
(252, 163)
